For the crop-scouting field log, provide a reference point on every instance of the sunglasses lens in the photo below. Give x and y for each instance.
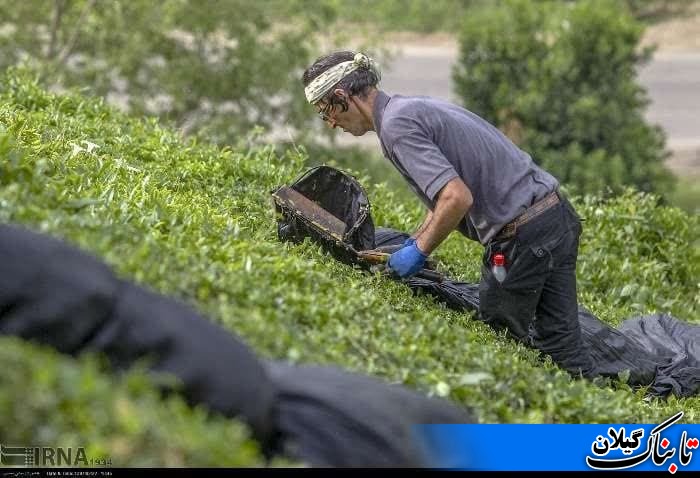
(324, 112)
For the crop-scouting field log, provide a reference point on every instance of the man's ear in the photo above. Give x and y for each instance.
(339, 92)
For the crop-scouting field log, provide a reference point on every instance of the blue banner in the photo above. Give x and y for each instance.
(667, 446)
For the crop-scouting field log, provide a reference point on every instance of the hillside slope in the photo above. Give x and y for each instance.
(196, 222)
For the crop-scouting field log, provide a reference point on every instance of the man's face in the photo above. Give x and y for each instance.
(351, 121)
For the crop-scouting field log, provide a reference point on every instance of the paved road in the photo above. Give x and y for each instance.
(672, 81)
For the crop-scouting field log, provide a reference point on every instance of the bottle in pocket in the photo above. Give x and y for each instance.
(498, 266)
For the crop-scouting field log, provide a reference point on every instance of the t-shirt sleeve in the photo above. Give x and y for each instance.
(424, 162)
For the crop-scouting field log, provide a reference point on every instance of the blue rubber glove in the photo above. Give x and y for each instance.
(408, 260)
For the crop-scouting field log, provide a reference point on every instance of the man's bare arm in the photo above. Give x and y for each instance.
(424, 224)
(454, 202)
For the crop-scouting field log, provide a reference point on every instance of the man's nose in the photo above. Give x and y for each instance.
(332, 123)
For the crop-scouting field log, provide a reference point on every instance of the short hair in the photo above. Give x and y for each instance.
(357, 83)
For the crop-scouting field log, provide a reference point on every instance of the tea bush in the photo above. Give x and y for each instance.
(196, 222)
(51, 400)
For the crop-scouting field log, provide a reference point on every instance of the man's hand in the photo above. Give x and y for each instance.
(408, 260)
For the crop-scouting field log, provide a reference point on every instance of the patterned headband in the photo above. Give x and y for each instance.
(323, 83)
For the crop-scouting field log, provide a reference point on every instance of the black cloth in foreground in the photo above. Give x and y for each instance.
(657, 350)
(53, 293)
(57, 295)
(335, 418)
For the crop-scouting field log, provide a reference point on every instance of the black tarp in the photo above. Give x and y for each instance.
(335, 418)
(656, 350)
(55, 294)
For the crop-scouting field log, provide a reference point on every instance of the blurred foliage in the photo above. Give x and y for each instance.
(196, 222)
(687, 194)
(560, 81)
(433, 16)
(211, 67)
(424, 16)
(653, 11)
(51, 400)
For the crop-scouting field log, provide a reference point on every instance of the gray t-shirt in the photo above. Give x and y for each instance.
(431, 142)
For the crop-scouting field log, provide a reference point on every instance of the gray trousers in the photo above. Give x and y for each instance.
(536, 302)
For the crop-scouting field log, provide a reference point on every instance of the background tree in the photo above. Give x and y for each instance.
(560, 80)
(218, 67)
